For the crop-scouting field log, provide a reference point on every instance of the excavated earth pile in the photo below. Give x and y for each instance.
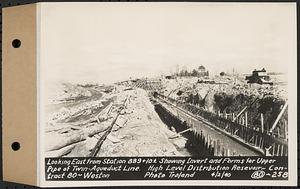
(124, 119)
(231, 95)
(268, 105)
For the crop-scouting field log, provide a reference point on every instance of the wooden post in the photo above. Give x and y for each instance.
(240, 113)
(278, 117)
(262, 122)
(228, 152)
(246, 119)
(281, 154)
(234, 153)
(218, 148)
(215, 148)
(278, 150)
(261, 144)
(285, 129)
(207, 139)
(223, 151)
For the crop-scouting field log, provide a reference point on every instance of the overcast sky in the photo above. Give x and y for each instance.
(108, 42)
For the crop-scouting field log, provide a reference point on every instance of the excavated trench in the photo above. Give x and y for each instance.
(203, 140)
(195, 144)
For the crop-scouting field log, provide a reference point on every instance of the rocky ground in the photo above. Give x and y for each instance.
(74, 128)
(79, 116)
(231, 85)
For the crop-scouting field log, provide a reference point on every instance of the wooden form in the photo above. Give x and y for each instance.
(248, 135)
(279, 116)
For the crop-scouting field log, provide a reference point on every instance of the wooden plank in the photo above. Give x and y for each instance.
(237, 116)
(262, 122)
(279, 116)
(246, 119)
(215, 148)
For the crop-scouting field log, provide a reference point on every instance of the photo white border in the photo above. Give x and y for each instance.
(292, 116)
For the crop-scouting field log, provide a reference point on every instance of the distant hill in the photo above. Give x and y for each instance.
(67, 92)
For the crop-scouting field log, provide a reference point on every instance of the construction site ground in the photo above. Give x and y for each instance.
(73, 129)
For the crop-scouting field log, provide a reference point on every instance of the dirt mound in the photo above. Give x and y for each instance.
(269, 105)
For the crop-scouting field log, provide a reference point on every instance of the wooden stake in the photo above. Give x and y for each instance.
(278, 132)
(279, 116)
(262, 122)
(215, 148)
(240, 113)
(246, 119)
(285, 129)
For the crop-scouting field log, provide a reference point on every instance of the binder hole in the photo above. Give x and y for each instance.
(16, 43)
(15, 146)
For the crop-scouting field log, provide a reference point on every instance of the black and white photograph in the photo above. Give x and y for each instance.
(168, 82)
(167, 91)
(149, 94)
